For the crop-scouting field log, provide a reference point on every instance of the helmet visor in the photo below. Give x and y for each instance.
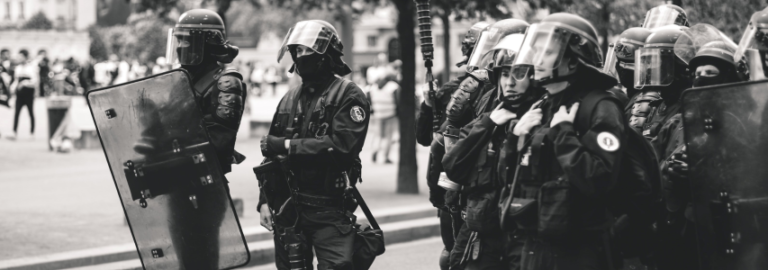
(506, 50)
(543, 47)
(654, 67)
(661, 16)
(185, 47)
(753, 39)
(307, 33)
(490, 59)
(610, 62)
(481, 56)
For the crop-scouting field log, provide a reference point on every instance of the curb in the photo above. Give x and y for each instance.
(400, 224)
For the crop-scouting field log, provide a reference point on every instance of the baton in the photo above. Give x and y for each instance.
(427, 53)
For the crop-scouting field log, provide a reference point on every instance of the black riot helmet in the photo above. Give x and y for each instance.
(322, 38)
(199, 32)
(751, 55)
(482, 54)
(713, 64)
(470, 39)
(657, 65)
(556, 46)
(666, 14)
(624, 50)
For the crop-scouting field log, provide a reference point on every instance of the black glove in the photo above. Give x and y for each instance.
(272, 145)
(677, 166)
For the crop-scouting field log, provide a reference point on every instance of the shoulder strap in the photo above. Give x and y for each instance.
(337, 91)
(364, 206)
(587, 108)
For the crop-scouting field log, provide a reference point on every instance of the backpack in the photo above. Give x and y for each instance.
(635, 198)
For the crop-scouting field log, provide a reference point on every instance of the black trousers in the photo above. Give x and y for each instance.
(328, 232)
(25, 97)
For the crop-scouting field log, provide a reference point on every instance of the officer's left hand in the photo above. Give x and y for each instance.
(501, 116)
(678, 164)
(272, 145)
(564, 115)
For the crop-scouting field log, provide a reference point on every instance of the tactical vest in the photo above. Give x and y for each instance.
(292, 119)
(641, 109)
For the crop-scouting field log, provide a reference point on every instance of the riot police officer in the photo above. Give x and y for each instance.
(198, 42)
(659, 68)
(563, 158)
(629, 41)
(481, 244)
(316, 136)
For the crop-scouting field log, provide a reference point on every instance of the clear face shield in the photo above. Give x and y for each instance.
(185, 46)
(661, 16)
(654, 67)
(752, 50)
(542, 50)
(307, 33)
(490, 58)
(610, 62)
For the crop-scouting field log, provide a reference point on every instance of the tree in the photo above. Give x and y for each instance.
(38, 21)
(407, 173)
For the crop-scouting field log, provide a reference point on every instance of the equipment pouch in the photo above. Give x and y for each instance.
(554, 208)
(481, 211)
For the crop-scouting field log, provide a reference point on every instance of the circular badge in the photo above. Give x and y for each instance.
(608, 141)
(357, 114)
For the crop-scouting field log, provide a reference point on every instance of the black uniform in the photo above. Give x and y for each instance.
(569, 170)
(460, 114)
(479, 163)
(323, 118)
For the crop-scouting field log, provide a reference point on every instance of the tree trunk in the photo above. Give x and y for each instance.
(446, 45)
(407, 179)
(606, 23)
(347, 35)
(222, 6)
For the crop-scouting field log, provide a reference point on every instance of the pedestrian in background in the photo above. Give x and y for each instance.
(383, 97)
(26, 73)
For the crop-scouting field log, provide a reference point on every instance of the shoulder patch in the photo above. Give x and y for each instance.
(608, 141)
(357, 114)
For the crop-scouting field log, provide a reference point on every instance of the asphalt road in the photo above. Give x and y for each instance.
(416, 255)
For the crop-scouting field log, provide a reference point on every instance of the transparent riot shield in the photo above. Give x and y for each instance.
(727, 147)
(167, 174)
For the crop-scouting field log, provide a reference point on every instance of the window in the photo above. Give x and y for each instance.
(372, 40)
(7, 11)
(21, 10)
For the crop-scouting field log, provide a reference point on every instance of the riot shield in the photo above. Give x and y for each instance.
(167, 174)
(727, 147)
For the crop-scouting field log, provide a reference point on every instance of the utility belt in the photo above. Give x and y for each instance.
(318, 200)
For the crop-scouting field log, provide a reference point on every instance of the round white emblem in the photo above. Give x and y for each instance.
(608, 141)
(357, 114)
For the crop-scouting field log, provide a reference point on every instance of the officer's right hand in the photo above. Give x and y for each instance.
(266, 217)
(501, 116)
(529, 120)
(678, 164)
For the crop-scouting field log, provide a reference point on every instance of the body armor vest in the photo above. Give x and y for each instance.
(641, 109)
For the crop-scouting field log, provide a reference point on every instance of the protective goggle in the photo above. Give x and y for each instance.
(661, 16)
(625, 48)
(310, 34)
(654, 67)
